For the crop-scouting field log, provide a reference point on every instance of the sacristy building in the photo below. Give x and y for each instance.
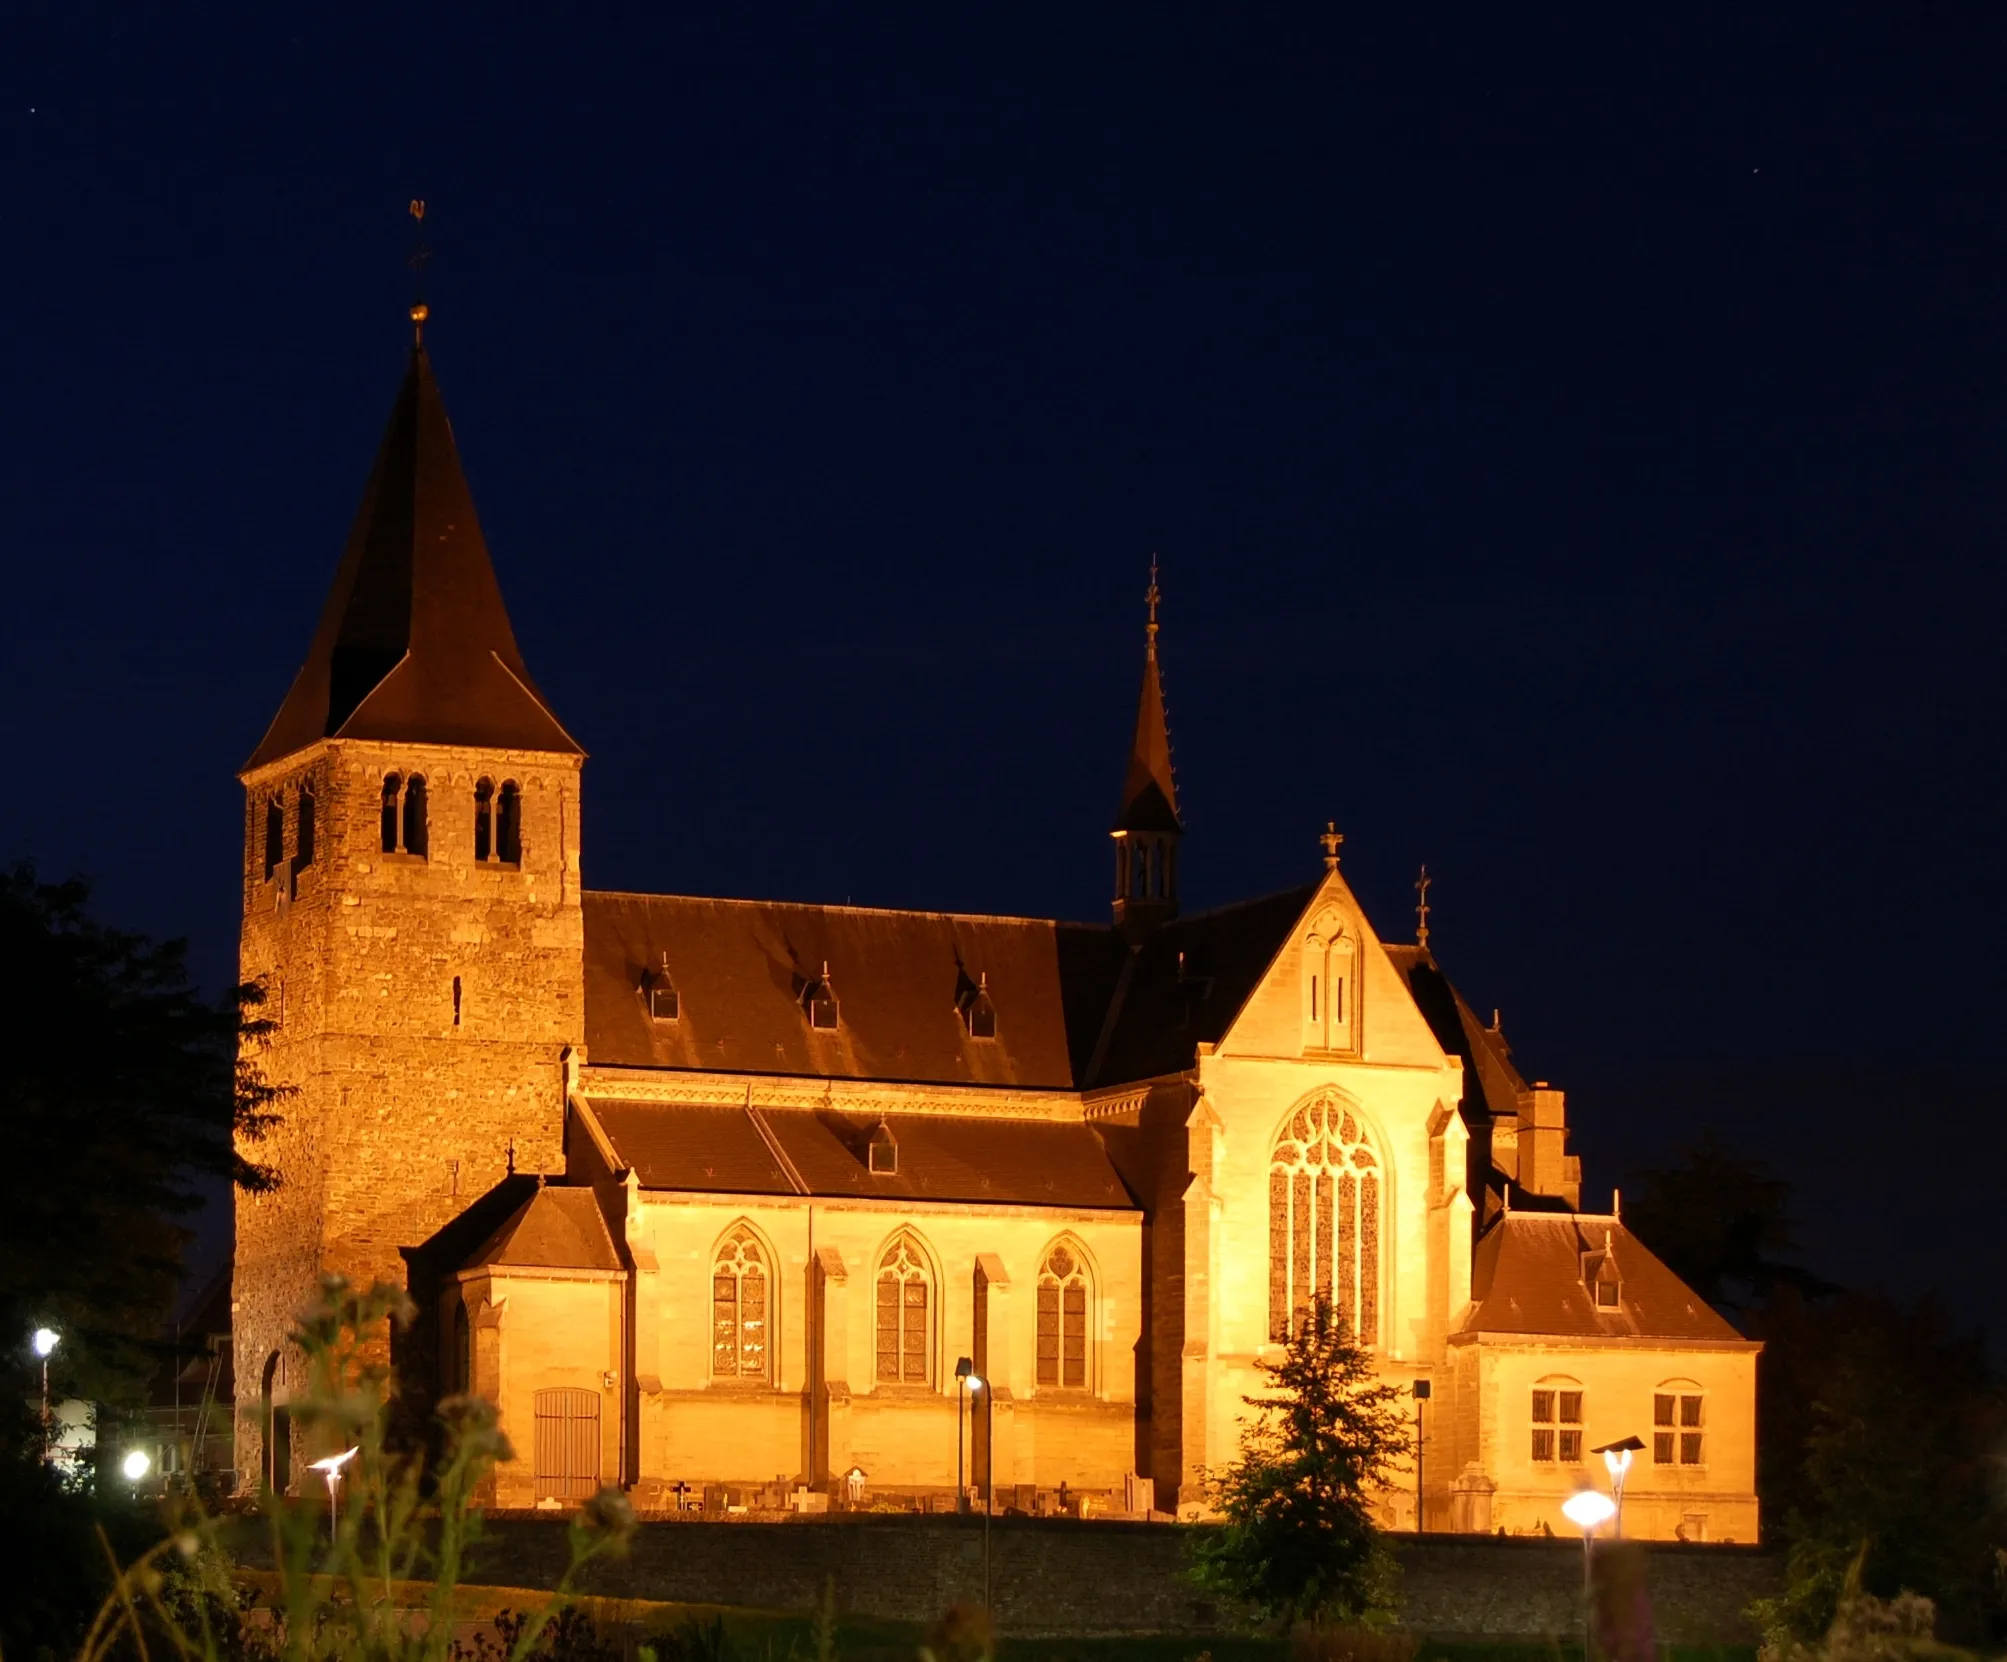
(707, 1192)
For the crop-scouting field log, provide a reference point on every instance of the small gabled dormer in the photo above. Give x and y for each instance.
(665, 1004)
(979, 1015)
(1601, 1277)
(883, 1155)
(818, 1001)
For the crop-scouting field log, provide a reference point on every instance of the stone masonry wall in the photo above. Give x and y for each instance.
(1064, 1576)
(408, 1102)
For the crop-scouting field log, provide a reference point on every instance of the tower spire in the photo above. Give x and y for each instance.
(1147, 826)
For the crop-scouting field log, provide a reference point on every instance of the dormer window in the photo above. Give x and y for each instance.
(979, 1015)
(663, 1002)
(1601, 1277)
(818, 998)
(884, 1154)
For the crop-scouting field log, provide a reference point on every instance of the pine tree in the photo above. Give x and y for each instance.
(1297, 1540)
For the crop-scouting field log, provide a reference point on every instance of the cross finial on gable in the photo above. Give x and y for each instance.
(1151, 596)
(1422, 907)
(1330, 840)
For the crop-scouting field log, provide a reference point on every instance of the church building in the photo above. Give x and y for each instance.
(712, 1194)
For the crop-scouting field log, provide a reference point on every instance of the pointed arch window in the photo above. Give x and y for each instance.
(739, 1287)
(403, 814)
(303, 836)
(905, 1311)
(1329, 985)
(1063, 1303)
(1324, 1199)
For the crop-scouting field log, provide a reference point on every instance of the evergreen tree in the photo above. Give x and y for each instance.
(1297, 1540)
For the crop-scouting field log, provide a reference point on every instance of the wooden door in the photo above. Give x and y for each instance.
(567, 1444)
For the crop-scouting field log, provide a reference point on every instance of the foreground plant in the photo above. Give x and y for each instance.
(340, 1553)
(1297, 1541)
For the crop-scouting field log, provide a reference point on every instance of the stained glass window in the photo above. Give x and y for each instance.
(903, 1307)
(1324, 1221)
(739, 1309)
(1062, 1321)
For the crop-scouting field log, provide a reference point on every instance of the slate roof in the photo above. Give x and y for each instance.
(414, 643)
(1076, 1004)
(1526, 1278)
(724, 1149)
(739, 968)
(555, 1228)
(1149, 789)
(1491, 1082)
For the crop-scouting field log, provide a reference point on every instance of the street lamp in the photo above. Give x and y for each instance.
(1617, 1458)
(989, 1474)
(965, 1370)
(1423, 1389)
(136, 1465)
(45, 1340)
(332, 1468)
(1588, 1510)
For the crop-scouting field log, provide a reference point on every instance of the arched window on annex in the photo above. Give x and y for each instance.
(1065, 1318)
(403, 814)
(1330, 984)
(1325, 1194)
(498, 822)
(742, 1307)
(1679, 1423)
(905, 1313)
(1557, 1420)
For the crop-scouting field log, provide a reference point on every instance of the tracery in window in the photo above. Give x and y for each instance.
(739, 1308)
(1324, 1220)
(904, 1308)
(1557, 1423)
(1063, 1300)
(1679, 1425)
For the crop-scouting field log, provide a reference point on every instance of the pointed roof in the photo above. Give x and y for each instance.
(1149, 792)
(414, 643)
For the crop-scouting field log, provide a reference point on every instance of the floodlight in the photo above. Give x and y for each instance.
(1589, 1509)
(46, 1340)
(136, 1465)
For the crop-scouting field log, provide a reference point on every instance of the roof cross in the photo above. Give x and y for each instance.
(420, 254)
(1151, 596)
(1422, 908)
(1331, 839)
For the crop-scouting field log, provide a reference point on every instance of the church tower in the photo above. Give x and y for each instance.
(1147, 828)
(411, 909)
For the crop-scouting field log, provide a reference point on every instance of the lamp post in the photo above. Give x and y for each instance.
(1423, 1388)
(989, 1473)
(45, 1341)
(331, 1468)
(1588, 1510)
(1617, 1459)
(965, 1370)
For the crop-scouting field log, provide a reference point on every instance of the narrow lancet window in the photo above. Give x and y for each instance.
(484, 818)
(904, 1331)
(509, 824)
(303, 854)
(414, 815)
(275, 835)
(393, 799)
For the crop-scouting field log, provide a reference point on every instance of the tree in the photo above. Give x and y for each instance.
(1297, 1540)
(120, 1086)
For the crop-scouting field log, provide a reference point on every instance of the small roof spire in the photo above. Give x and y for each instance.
(1422, 907)
(1149, 788)
(420, 254)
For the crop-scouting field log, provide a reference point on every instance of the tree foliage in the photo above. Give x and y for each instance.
(1297, 1540)
(121, 1087)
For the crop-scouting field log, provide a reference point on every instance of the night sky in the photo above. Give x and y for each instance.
(1576, 446)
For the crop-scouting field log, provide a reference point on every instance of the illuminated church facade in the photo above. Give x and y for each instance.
(714, 1197)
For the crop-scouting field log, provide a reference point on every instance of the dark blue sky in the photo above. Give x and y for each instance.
(1575, 448)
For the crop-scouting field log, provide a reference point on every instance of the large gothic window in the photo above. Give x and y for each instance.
(739, 1308)
(1324, 1185)
(904, 1338)
(1062, 1320)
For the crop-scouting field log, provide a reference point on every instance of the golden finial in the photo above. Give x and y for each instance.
(1331, 839)
(1422, 909)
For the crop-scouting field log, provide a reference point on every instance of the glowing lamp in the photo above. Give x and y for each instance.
(46, 1339)
(136, 1465)
(1589, 1509)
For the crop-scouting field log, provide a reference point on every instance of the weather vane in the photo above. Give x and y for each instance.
(419, 255)
(1422, 909)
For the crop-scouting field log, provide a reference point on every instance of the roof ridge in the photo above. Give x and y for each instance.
(863, 911)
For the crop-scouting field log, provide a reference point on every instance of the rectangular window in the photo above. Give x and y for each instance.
(1543, 1407)
(1686, 1445)
(1543, 1444)
(1557, 1427)
(1571, 1407)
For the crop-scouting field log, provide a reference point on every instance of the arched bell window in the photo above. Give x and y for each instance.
(275, 835)
(1324, 1220)
(403, 814)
